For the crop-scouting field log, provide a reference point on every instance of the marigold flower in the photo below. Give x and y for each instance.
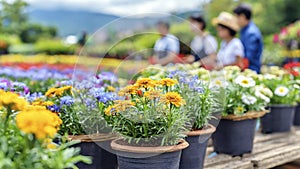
(41, 123)
(57, 91)
(122, 105)
(173, 98)
(111, 89)
(168, 82)
(131, 89)
(146, 83)
(153, 94)
(12, 100)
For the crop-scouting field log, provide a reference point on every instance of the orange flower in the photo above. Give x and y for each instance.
(168, 82)
(122, 105)
(153, 94)
(146, 83)
(128, 90)
(173, 98)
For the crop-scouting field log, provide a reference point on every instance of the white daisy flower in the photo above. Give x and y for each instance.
(244, 81)
(281, 91)
(269, 76)
(249, 100)
(258, 94)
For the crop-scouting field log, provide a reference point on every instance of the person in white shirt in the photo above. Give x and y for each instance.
(204, 46)
(167, 47)
(231, 49)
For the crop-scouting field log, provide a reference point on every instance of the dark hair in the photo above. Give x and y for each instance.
(231, 31)
(243, 9)
(198, 18)
(164, 24)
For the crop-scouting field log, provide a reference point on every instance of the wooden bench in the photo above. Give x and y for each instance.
(269, 151)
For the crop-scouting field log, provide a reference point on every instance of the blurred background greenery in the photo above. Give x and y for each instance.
(20, 35)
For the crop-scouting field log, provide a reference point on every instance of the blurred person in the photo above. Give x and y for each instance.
(167, 47)
(81, 42)
(231, 49)
(250, 36)
(204, 46)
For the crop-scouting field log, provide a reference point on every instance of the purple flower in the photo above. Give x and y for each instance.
(54, 108)
(66, 100)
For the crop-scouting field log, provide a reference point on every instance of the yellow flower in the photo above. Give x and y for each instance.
(110, 110)
(168, 82)
(111, 89)
(35, 107)
(153, 94)
(173, 98)
(49, 144)
(146, 83)
(42, 103)
(239, 110)
(131, 89)
(12, 101)
(41, 123)
(57, 91)
(122, 105)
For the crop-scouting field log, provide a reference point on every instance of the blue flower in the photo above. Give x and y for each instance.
(3, 85)
(54, 108)
(66, 100)
(34, 96)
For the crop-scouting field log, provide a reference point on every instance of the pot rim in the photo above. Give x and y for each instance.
(209, 129)
(246, 116)
(149, 150)
(93, 137)
(282, 105)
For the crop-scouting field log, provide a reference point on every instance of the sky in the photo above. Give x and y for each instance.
(120, 7)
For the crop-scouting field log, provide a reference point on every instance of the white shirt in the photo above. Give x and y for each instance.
(210, 44)
(229, 51)
(165, 44)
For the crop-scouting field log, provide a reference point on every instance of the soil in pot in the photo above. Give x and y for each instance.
(280, 119)
(193, 156)
(297, 116)
(134, 157)
(234, 137)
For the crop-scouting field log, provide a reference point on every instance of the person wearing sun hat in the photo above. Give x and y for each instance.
(231, 49)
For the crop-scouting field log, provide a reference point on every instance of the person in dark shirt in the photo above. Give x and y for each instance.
(250, 36)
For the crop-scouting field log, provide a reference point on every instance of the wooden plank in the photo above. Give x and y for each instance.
(240, 164)
(269, 150)
(220, 159)
(277, 156)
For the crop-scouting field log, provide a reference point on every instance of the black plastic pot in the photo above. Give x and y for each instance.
(193, 156)
(101, 159)
(161, 161)
(234, 137)
(297, 116)
(280, 119)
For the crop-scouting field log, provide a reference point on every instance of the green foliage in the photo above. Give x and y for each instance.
(30, 33)
(20, 150)
(147, 118)
(53, 47)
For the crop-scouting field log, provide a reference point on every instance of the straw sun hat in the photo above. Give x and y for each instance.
(226, 19)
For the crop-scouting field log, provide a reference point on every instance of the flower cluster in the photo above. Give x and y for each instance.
(12, 101)
(41, 123)
(151, 110)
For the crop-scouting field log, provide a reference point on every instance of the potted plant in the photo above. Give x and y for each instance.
(26, 134)
(150, 123)
(199, 100)
(294, 70)
(80, 110)
(282, 105)
(245, 102)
